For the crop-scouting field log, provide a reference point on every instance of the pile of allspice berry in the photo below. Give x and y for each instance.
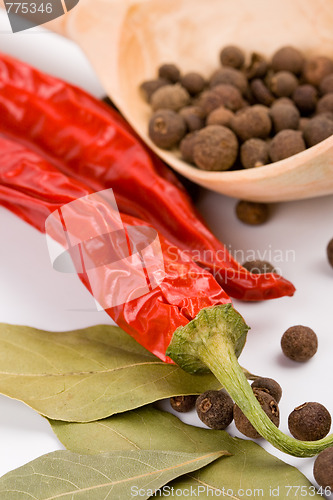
(244, 115)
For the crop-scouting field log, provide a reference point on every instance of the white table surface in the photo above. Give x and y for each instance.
(295, 239)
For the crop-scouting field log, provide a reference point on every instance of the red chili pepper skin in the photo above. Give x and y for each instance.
(32, 188)
(86, 140)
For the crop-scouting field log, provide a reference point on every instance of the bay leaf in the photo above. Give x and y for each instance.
(249, 468)
(67, 475)
(87, 374)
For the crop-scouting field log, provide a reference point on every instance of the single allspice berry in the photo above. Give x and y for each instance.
(316, 69)
(288, 59)
(318, 129)
(323, 468)
(193, 82)
(258, 66)
(252, 213)
(286, 143)
(148, 87)
(187, 146)
(268, 385)
(194, 117)
(303, 122)
(284, 116)
(299, 343)
(283, 83)
(215, 409)
(326, 85)
(183, 404)
(270, 407)
(172, 97)
(253, 121)
(229, 76)
(222, 95)
(283, 100)
(230, 96)
(166, 128)
(309, 422)
(220, 116)
(254, 153)
(325, 104)
(170, 72)
(305, 97)
(232, 56)
(215, 148)
(261, 92)
(329, 251)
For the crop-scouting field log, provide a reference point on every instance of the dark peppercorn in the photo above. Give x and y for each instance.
(172, 97)
(288, 59)
(326, 85)
(221, 95)
(283, 100)
(251, 122)
(261, 92)
(183, 404)
(193, 82)
(319, 128)
(220, 116)
(303, 122)
(232, 56)
(299, 343)
(252, 213)
(186, 147)
(323, 468)
(316, 69)
(215, 409)
(329, 251)
(258, 66)
(259, 267)
(268, 385)
(325, 104)
(284, 116)
(215, 148)
(193, 116)
(270, 407)
(229, 76)
(286, 143)
(150, 86)
(283, 83)
(231, 97)
(305, 97)
(254, 153)
(309, 422)
(166, 128)
(169, 72)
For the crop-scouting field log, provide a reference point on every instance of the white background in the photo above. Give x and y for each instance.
(32, 293)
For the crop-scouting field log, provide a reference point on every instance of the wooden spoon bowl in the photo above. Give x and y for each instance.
(127, 40)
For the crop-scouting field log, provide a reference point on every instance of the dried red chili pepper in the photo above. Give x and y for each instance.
(151, 319)
(94, 145)
(190, 320)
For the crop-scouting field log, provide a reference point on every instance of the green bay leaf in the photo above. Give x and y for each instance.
(249, 468)
(87, 374)
(116, 475)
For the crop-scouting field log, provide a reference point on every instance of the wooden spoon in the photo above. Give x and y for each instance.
(126, 40)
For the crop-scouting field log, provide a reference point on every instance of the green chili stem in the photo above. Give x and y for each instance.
(212, 340)
(223, 363)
